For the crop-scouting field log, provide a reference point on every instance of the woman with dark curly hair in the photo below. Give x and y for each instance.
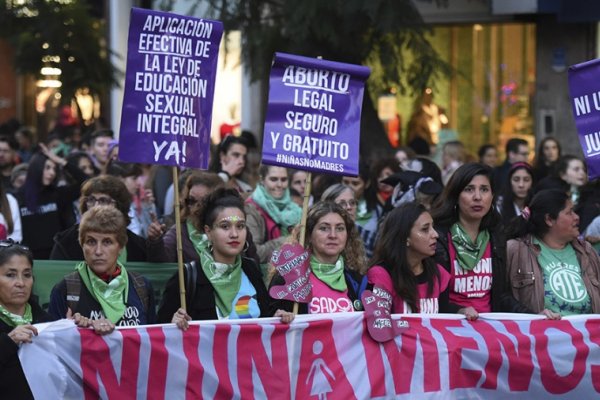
(337, 261)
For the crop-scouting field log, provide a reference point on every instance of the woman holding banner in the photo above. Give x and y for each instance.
(404, 265)
(271, 212)
(101, 293)
(18, 311)
(228, 285)
(548, 266)
(470, 246)
(337, 259)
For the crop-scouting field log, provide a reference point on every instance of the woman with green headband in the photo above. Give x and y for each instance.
(337, 262)
(101, 293)
(18, 312)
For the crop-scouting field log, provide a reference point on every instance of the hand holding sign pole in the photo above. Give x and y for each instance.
(313, 120)
(169, 89)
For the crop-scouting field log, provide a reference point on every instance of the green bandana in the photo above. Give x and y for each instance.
(111, 295)
(284, 211)
(330, 274)
(15, 320)
(468, 253)
(226, 279)
(122, 256)
(198, 239)
(363, 215)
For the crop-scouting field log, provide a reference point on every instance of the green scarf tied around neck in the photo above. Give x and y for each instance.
(330, 274)
(111, 295)
(226, 279)
(15, 320)
(468, 253)
(284, 211)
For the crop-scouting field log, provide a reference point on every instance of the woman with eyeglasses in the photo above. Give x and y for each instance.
(337, 262)
(196, 187)
(271, 212)
(45, 207)
(101, 293)
(228, 285)
(343, 196)
(104, 190)
(19, 311)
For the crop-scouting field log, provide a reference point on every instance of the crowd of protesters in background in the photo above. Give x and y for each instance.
(463, 209)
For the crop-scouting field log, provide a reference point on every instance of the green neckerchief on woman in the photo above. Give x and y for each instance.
(468, 253)
(111, 295)
(330, 274)
(283, 211)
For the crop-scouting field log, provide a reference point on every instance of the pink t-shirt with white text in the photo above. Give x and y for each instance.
(326, 300)
(472, 288)
(428, 303)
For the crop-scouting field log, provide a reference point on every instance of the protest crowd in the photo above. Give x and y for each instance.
(427, 229)
(474, 244)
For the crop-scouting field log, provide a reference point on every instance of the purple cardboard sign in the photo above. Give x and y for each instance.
(292, 263)
(169, 89)
(313, 115)
(584, 85)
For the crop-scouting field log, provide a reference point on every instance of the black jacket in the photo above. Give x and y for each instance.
(502, 298)
(13, 384)
(67, 247)
(54, 213)
(203, 306)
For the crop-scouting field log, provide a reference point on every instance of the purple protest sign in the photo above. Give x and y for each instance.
(313, 116)
(291, 262)
(584, 85)
(169, 89)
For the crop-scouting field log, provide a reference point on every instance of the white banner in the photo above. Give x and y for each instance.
(329, 356)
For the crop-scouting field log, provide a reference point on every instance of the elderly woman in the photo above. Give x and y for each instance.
(343, 196)
(18, 311)
(548, 266)
(103, 191)
(228, 285)
(336, 261)
(101, 292)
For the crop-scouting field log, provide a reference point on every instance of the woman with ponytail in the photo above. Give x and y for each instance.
(551, 270)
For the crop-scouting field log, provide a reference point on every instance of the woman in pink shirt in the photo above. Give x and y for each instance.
(403, 264)
(336, 261)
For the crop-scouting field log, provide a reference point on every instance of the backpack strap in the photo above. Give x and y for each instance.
(139, 284)
(73, 281)
(191, 276)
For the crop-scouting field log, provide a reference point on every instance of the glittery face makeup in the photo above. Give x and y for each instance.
(227, 235)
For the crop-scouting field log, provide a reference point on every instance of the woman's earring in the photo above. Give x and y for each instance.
(246, 246)
(407, 243)
(210, 247)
